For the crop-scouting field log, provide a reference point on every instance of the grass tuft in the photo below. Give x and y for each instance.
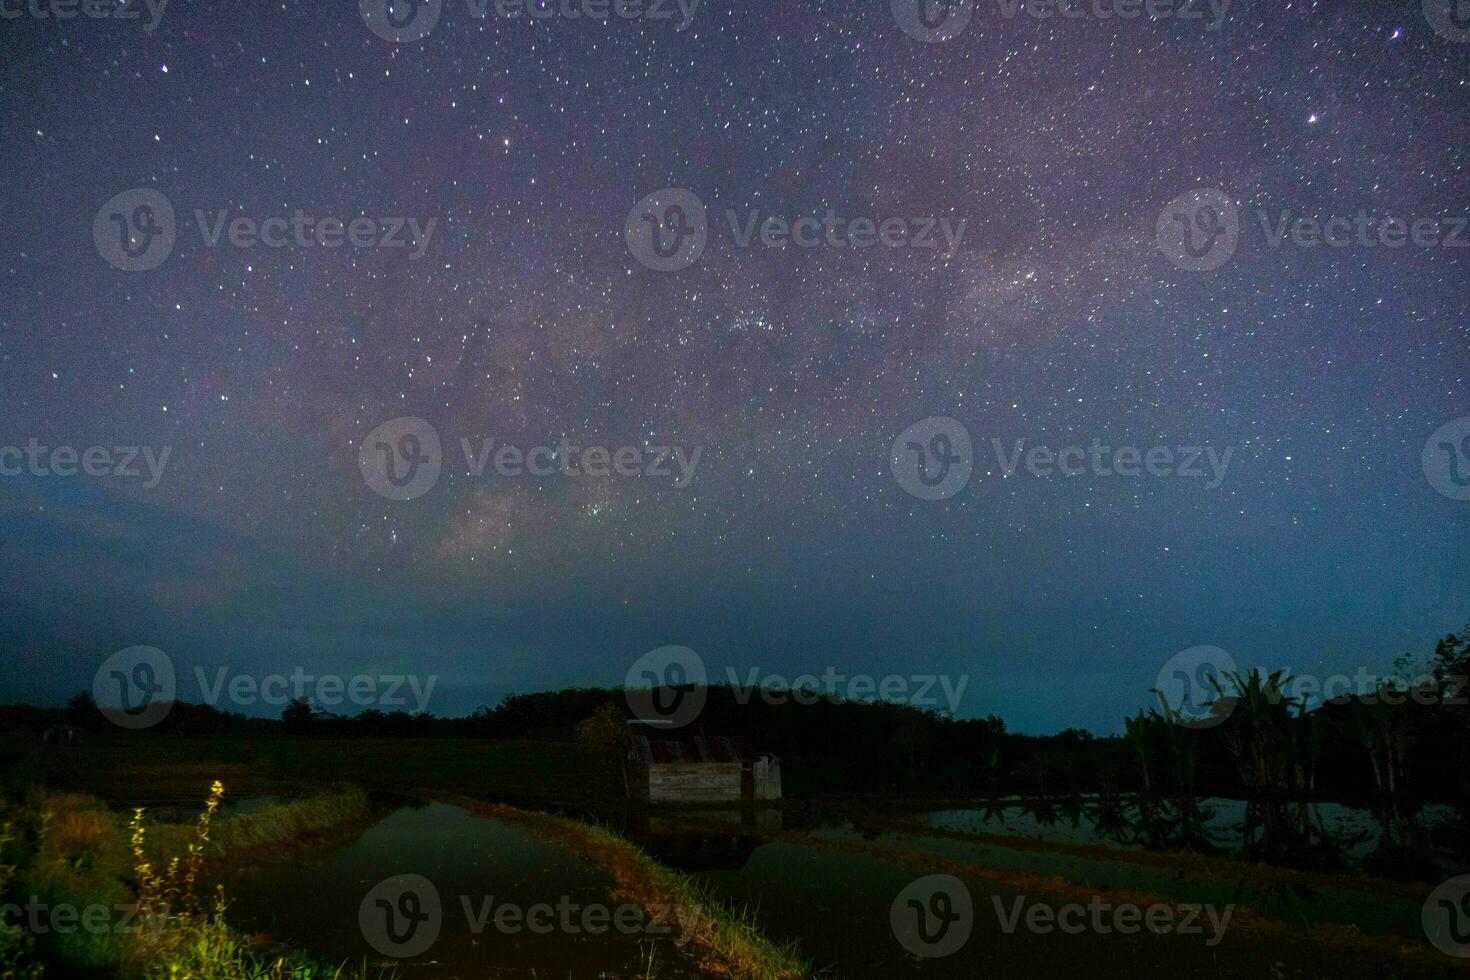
(70, 850)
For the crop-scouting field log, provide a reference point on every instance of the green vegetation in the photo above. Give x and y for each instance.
(296, 821)
(1266, 737)
(116, 764)
(101, 896)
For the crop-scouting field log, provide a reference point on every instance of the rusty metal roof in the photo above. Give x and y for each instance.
(690, 749)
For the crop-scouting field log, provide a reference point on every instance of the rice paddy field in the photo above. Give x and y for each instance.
(320, 858)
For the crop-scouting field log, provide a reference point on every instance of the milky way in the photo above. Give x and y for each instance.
(506, 157)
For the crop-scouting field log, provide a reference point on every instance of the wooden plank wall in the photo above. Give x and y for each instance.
(706, 782)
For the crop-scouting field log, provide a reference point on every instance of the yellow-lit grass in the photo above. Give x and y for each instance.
(72, 850)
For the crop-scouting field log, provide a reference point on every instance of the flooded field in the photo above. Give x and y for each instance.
(840, 908)
(493, 900)
(837, 887)
(1325, 836)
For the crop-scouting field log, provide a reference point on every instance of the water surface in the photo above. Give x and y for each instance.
(486, 874)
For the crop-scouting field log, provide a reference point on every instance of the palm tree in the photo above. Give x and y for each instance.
(1386, 732)
(1139, 732)
(1307, 739)
(1256, 733)
(1177, 733)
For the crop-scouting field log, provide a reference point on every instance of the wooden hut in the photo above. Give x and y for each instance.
(667, 767)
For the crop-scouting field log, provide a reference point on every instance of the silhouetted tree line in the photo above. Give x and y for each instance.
(1259, 740)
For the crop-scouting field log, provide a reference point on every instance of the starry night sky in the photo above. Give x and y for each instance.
(527, 320)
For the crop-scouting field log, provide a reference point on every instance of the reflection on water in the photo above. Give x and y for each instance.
(837, 904)
(477, 866)
(671, 841)
(1402, 841)
(802, 891)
